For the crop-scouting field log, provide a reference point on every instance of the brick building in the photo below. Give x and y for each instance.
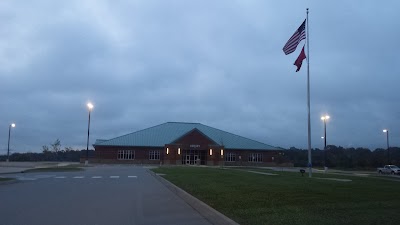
(185, 143)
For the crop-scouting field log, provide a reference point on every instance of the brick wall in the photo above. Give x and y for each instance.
(195, 141)
(109, 154)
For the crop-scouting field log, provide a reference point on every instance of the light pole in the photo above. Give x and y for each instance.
(90, 107)
(325, 118)
(387, 143)
(9, 136)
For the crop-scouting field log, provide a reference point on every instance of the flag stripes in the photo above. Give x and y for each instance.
(292, 43)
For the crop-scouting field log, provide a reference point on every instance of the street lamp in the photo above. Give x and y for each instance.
(9, 136)
(325, 118)
(387, 142)
(90, 107)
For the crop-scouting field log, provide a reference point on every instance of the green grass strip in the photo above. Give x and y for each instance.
(288, 198)
(54, 169)
(6, 179)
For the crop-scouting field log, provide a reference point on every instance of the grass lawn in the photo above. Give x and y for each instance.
(5, 179)
(55, 169)
(289, 198)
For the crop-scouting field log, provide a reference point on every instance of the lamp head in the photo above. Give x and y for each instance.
(90, 106)
(325, 117)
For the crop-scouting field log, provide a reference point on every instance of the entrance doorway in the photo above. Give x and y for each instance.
(187, 160)
(194, 157)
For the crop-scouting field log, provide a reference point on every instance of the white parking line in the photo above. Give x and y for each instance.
(78, 177)
(114, 177)
(60, 177)
(132, 176)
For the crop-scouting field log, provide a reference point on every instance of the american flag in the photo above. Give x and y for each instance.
(299, 35)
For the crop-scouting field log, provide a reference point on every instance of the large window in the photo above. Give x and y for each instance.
(230, 157)
(255, 157)
(154, 155)
(126, 154)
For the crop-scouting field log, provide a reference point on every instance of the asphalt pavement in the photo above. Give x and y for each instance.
(115, 195)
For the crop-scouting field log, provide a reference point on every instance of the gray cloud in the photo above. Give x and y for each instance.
(219, 63)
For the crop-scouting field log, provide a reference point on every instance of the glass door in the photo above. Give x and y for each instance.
(187, 159)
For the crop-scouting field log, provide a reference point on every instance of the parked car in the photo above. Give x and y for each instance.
(389, 169)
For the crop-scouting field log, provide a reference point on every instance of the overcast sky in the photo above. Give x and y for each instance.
(220, 63)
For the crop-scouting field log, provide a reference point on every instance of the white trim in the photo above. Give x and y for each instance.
(230, 157)
(256, 157)
(154, 155)
(126, 155)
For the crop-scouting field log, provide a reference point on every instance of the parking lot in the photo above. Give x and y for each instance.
(98, 195)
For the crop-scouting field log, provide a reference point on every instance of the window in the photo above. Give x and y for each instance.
(255, 157)
(230, 157)
(126, 154)
(154, 155)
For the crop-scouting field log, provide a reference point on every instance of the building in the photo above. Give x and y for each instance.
(185, 143)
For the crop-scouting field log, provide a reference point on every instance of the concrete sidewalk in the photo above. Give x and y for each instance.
(5, 170)
(212, 215)
(17, 167)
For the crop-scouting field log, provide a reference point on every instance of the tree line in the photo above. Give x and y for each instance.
(336, 156)
(53, 152)
(340, 157)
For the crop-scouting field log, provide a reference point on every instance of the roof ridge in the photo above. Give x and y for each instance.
(238, 136)
(183, 122)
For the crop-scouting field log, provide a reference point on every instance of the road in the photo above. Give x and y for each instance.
(99, 195)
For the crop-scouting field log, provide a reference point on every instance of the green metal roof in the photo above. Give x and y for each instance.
(167, 133)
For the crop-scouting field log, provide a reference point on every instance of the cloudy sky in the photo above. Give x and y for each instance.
(219, 63)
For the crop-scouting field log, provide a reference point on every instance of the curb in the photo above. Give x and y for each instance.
(210, 214)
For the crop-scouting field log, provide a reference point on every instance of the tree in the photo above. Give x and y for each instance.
(45, 149)
(68, 149)
(56, 146)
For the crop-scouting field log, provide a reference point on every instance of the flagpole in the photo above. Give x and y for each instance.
(308, 102)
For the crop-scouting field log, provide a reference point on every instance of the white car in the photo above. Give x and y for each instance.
(389, 169)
